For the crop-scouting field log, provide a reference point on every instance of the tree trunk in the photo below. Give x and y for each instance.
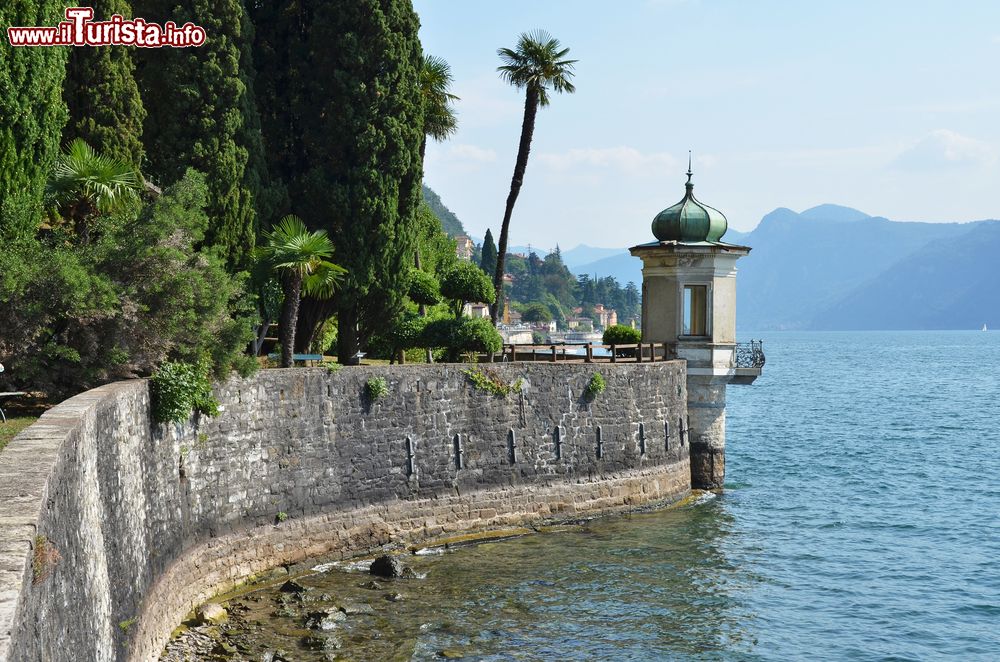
(416, 261)
(527, 131)
(312, 314)
(258, 341)
(289, 317)
(347, 336)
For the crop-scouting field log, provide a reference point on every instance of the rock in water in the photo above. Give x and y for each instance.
(292, 586)
(387, 566)
(211, 614)
(356, 608)
(324, 620)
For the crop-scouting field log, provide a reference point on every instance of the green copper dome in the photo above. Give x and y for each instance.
(689, 220)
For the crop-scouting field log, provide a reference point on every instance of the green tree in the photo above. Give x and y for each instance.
(466, 283)
(488, 262)
(435, 93)
(102, 95)
(85, 183)
(537, 64)
(199, 112)
(537, 312)
(32, 115)
(338, 84)
(424, 289)
(301, 259)
(143, 292)
(462, 335)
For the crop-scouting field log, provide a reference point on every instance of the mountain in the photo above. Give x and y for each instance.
(622, 266)
(834, 267)
(584, 254)
(799, 267)
(452, 226)
(835, 213)
(950, 284)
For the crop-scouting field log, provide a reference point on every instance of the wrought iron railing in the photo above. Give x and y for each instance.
(750, 354)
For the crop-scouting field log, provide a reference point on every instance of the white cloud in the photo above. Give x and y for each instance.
(471, 153)
(944, 148)
(622, 159)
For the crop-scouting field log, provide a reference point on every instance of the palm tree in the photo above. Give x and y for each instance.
(439, 116)
(85, 183)
(536, 65)
(301, 258)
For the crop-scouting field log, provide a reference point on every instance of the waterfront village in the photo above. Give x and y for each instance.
(579, 326)
(205, 316)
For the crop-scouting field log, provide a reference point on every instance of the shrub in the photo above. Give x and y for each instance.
(490, 381)
(376, 387)
(178, 389)
(403, 333)
(144, 290)
(619, 334)
(459, 336)
(424, 288)
(595, 386)
(464, 283)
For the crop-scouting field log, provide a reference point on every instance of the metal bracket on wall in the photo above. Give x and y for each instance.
(411, 466)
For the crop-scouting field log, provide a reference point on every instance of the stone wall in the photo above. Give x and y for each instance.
(111, 529)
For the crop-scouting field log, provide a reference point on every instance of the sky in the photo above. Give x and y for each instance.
(890, 107)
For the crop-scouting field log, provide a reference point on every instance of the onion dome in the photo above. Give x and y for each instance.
(690, 221)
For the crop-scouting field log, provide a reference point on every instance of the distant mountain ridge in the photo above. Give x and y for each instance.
(834, 267)
(449, 222)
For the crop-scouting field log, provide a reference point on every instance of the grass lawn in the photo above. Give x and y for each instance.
(14, 425)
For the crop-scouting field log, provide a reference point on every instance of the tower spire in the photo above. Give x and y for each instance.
(689, 185)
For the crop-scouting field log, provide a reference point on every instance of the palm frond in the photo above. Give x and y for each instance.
(538, 63)
(291, 247)
(81, 173)
(324, 281)
(435, 83)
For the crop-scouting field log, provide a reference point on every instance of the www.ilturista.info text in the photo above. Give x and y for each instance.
(79, 29)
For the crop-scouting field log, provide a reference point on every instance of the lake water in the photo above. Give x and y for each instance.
(860, 521)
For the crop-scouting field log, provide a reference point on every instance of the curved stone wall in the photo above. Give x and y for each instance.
(112, 529)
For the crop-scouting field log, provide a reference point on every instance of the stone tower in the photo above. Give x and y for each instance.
(689, 306)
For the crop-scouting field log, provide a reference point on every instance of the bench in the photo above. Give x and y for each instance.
(300, 358)
(8, 394)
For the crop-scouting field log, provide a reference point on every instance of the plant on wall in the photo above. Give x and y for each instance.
(178, 389)
(376, 388)
(490, 381)
(595, 386)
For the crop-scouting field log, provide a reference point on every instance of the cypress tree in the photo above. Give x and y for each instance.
(488, 261)
(32, 115)
(101, 93)
(339, 90)
(199, 112)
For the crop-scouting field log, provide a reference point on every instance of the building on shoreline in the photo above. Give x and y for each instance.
(689, 307)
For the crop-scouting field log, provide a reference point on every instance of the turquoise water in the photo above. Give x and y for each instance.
(860, 522)
(866, 496)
